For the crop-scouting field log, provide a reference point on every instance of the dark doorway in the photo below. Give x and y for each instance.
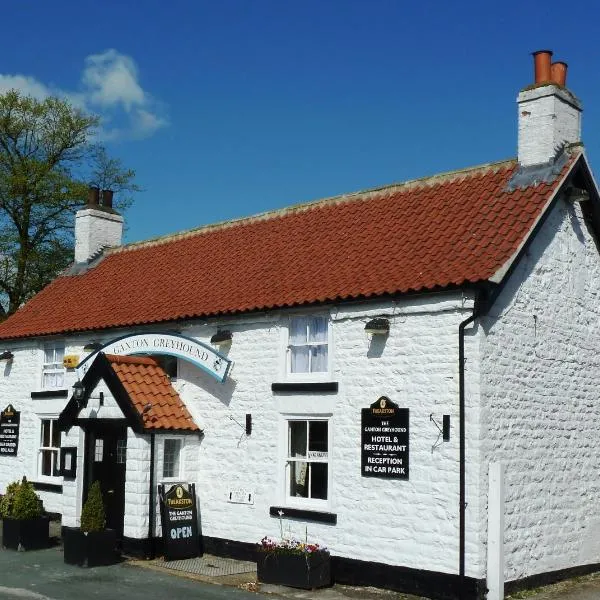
(106, 457)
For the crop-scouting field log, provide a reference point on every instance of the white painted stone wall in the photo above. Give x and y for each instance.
(96, 229)
(540, 409)
(411, 523)
(548, 117)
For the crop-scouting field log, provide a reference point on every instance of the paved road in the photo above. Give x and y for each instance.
(42, 575)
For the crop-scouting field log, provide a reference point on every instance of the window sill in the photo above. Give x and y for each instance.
(57, 393)
(48, 486)
(305, 386)
(304, 514)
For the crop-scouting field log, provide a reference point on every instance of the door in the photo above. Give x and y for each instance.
(107, 456)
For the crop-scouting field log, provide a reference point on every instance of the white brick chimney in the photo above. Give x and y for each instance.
(97, 226)
(549, 114)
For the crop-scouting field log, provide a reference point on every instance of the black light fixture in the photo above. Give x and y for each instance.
(222, 338)
(379, 326)
(92, 347)
(7, 355)
(79, 393)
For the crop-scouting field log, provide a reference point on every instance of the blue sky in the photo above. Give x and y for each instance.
(232, 107)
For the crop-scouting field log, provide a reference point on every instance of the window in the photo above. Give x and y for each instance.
(171, 456)
(49, 448)
(308, 345)
(307, 468)
(53, 372)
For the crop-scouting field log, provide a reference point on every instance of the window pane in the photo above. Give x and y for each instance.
(297, 439)
(99, 450)
(318, 480)
(317, 439)
(298, 330)
(318, 330)
(55, 434)
(121, 451)
(48, 355)
(47, 462)
(59, 380)
(59, 354)
(299, 359)
(171, 458)
(318, 363)
(55, 472)
(298, 479)
(45, 432)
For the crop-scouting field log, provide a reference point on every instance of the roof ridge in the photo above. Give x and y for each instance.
(409, 184)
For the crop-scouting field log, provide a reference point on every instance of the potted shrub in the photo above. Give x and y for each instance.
(91, 544)
(24, 524)
(293, 563)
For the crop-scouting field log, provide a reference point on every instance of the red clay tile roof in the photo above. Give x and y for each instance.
(146, 383)
(428, 234)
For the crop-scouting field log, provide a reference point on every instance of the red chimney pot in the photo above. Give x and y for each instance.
(559, 73)
(542, 66)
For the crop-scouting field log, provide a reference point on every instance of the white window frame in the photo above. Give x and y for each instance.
(180, 475)
(38, 455)
(51, 368)
(295, 501)
(307, 376)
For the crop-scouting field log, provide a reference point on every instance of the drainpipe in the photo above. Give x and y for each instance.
(151, 497)
(461, 410)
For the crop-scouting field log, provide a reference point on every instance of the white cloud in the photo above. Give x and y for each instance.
(28, 85)
(109, 87)
(112, 79)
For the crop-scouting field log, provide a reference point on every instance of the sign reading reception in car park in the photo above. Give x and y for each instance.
(384, 450)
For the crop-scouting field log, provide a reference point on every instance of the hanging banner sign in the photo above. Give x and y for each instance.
(201, 355)
(179, 521)
(9, 431)
(384, 451)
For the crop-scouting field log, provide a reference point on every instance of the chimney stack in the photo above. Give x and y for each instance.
(97, 226)
(549, 114)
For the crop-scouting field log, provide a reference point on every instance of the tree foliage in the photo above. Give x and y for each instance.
(48, 159)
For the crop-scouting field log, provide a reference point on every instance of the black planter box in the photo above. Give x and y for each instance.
(26, 534)
(306, 571)
(92, 549)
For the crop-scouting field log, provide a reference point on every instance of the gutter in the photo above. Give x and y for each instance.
(152, 548)
(462, 460)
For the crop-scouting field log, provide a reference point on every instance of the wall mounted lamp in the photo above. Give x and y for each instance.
(222, 338)
(92, 347)
(7, 355)
(79, 393)
(379, 326)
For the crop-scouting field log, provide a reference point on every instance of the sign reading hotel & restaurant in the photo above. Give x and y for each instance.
(9, 431)
(179, 521)
(202, 355)
(384, 451)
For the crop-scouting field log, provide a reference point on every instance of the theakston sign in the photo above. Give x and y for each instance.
(201, 355)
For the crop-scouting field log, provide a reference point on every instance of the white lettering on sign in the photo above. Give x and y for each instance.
(181, 532)
(201, 355)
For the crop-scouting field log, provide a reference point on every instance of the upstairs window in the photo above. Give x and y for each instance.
(308, 345)
(53, 371)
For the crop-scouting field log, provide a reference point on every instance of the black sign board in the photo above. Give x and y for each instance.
(384, 451)
(9, 431)
(179, 521)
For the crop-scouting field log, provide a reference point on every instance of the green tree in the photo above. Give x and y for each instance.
(48, 159)
(93, 516)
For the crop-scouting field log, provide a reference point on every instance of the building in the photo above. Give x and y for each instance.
(259, 359)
